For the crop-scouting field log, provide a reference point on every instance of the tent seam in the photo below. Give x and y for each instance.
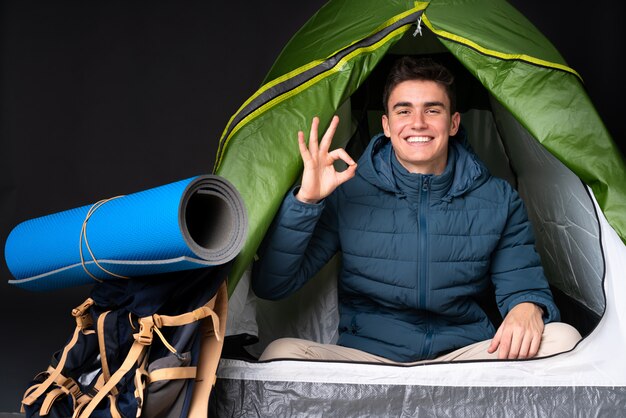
(496, 54)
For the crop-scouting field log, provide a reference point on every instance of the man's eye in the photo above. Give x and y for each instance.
(433, 111)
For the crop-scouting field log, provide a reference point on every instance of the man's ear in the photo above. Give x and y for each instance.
(385, 123)
(455, 122)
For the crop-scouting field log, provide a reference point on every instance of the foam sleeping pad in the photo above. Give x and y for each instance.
(192, 223)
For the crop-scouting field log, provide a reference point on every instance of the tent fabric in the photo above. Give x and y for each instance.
(567, 230)
(293, 399)
(192, 223)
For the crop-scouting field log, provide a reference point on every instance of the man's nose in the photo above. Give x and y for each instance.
(419, 121)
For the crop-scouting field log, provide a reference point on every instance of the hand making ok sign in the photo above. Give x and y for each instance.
(320, 178)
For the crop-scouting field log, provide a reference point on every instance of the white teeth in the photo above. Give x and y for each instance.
(418, 139)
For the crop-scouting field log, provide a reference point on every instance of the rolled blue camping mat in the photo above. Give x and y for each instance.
(192, 223)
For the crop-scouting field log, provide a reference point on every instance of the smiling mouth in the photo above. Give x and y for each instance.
(418, 139)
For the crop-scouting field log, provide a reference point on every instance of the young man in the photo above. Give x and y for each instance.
(423, 229)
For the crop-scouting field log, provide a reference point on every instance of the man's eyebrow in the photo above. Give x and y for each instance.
(434, 104)
(402, 104)
(427, 104)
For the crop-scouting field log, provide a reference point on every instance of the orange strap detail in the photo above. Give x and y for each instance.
(134, 355)
(210, 353)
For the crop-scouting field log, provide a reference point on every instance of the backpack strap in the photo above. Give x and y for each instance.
(172, 373)
(210, 352)
(141, 381)
(83, 322)
(106, 372)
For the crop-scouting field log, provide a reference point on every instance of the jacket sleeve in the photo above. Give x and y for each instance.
(516, 269)
(300, 241)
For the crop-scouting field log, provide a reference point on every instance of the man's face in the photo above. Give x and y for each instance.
(419, 124)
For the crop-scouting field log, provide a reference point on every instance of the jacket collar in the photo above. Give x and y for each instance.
(464, 171)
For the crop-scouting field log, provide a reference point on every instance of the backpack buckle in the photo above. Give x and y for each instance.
(81, 314)
(144, 336)
(71, 387)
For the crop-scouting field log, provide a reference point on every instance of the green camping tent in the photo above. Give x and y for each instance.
(528, 116)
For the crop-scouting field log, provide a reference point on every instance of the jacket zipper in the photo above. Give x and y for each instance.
(423, 284)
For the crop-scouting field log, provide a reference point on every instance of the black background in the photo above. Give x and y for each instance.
(105, 98)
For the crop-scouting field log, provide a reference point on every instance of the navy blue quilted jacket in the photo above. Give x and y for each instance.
(417, 251)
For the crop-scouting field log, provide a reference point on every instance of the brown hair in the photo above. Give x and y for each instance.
(412, 68)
